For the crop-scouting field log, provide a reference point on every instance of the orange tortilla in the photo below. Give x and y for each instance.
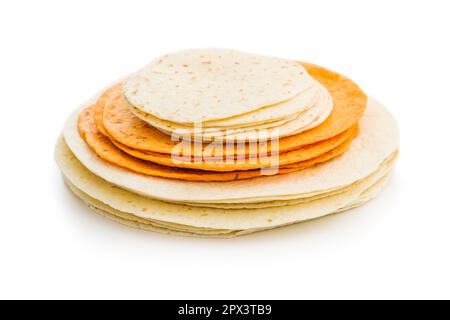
(245, 163)
(106, 150)
(125, 128)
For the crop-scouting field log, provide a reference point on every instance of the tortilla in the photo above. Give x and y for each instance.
(249, 163)
(239, 219)
(300, 103)
(143, 224)
(377, 140)
(279, 203)
(349, 103)
(200, 85)
(298, 110)
(187, 231)
(280, 128)
(105, 149)
(264, 116)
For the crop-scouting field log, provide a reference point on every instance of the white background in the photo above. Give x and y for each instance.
(56, 54)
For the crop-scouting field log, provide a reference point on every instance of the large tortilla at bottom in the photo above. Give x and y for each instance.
(198, 217)
(187, 231)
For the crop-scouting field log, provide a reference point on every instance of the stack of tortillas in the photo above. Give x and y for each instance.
(221, 143)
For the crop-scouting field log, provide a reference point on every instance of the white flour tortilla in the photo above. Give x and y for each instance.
(378, 139)
(239, 219)
(200, 85)
(292, 201)
(302, 121)
(288, 109)
(296, 105)
(188, 231)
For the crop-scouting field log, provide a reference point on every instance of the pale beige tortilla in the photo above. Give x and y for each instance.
(239, 219)
(262, 118)
(290, 116)
(140, 223)
(200, 85)
(280, 203)
(377, 140)
(300, 123)
(187, 231)
(297, 105)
